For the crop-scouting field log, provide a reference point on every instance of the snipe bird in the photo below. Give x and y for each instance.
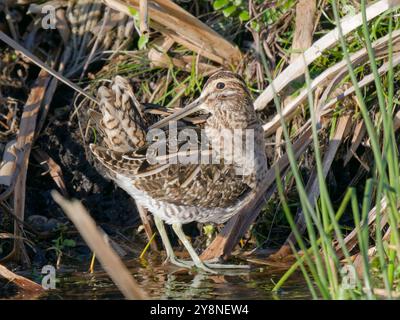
(178, 193)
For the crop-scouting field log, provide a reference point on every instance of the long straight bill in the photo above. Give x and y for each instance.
(193, 107)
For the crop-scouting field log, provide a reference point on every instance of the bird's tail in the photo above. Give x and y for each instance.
(122, 118)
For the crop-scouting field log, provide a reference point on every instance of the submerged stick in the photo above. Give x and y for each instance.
(20, 281)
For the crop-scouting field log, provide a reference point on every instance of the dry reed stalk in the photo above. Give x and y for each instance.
(23, 146)
(351, 239)
(225, 241)
(304, 29)
(28, 286)
(330, 75)
(52, 168)
(229, 236)
(43, 65)
(312, 187)
(158, 55)
(148, 226)
(365, 81)
(297, 68)
(50, 91)
(104, 253)
(185, 29)
(8, 167)
(143, 17)
(302, 40)
(358, 135)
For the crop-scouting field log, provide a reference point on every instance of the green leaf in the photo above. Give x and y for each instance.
(288, 4)
(143, 41)
(69, 243)
(218, 4)
(237, 3)
(255, 26)
(244, 16)
(208, 229)
(133, 12)
(228, 11)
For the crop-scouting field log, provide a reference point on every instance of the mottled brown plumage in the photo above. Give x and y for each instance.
(176, 192)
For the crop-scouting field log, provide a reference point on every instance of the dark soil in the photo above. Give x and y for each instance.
(110, 206)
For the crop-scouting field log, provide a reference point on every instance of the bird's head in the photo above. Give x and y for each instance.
(221, 86)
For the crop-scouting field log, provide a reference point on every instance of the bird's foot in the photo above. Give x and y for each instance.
(227, 266)
(207, 266)
(214, 264)
(188, 264)
(178, 262)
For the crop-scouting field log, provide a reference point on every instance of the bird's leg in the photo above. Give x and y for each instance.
(168, 247)
(206, 265)
(197, 261)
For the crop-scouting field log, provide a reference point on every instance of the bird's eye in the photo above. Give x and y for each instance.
(220, 85)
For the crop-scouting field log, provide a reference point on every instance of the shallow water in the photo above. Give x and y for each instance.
(171, 283)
